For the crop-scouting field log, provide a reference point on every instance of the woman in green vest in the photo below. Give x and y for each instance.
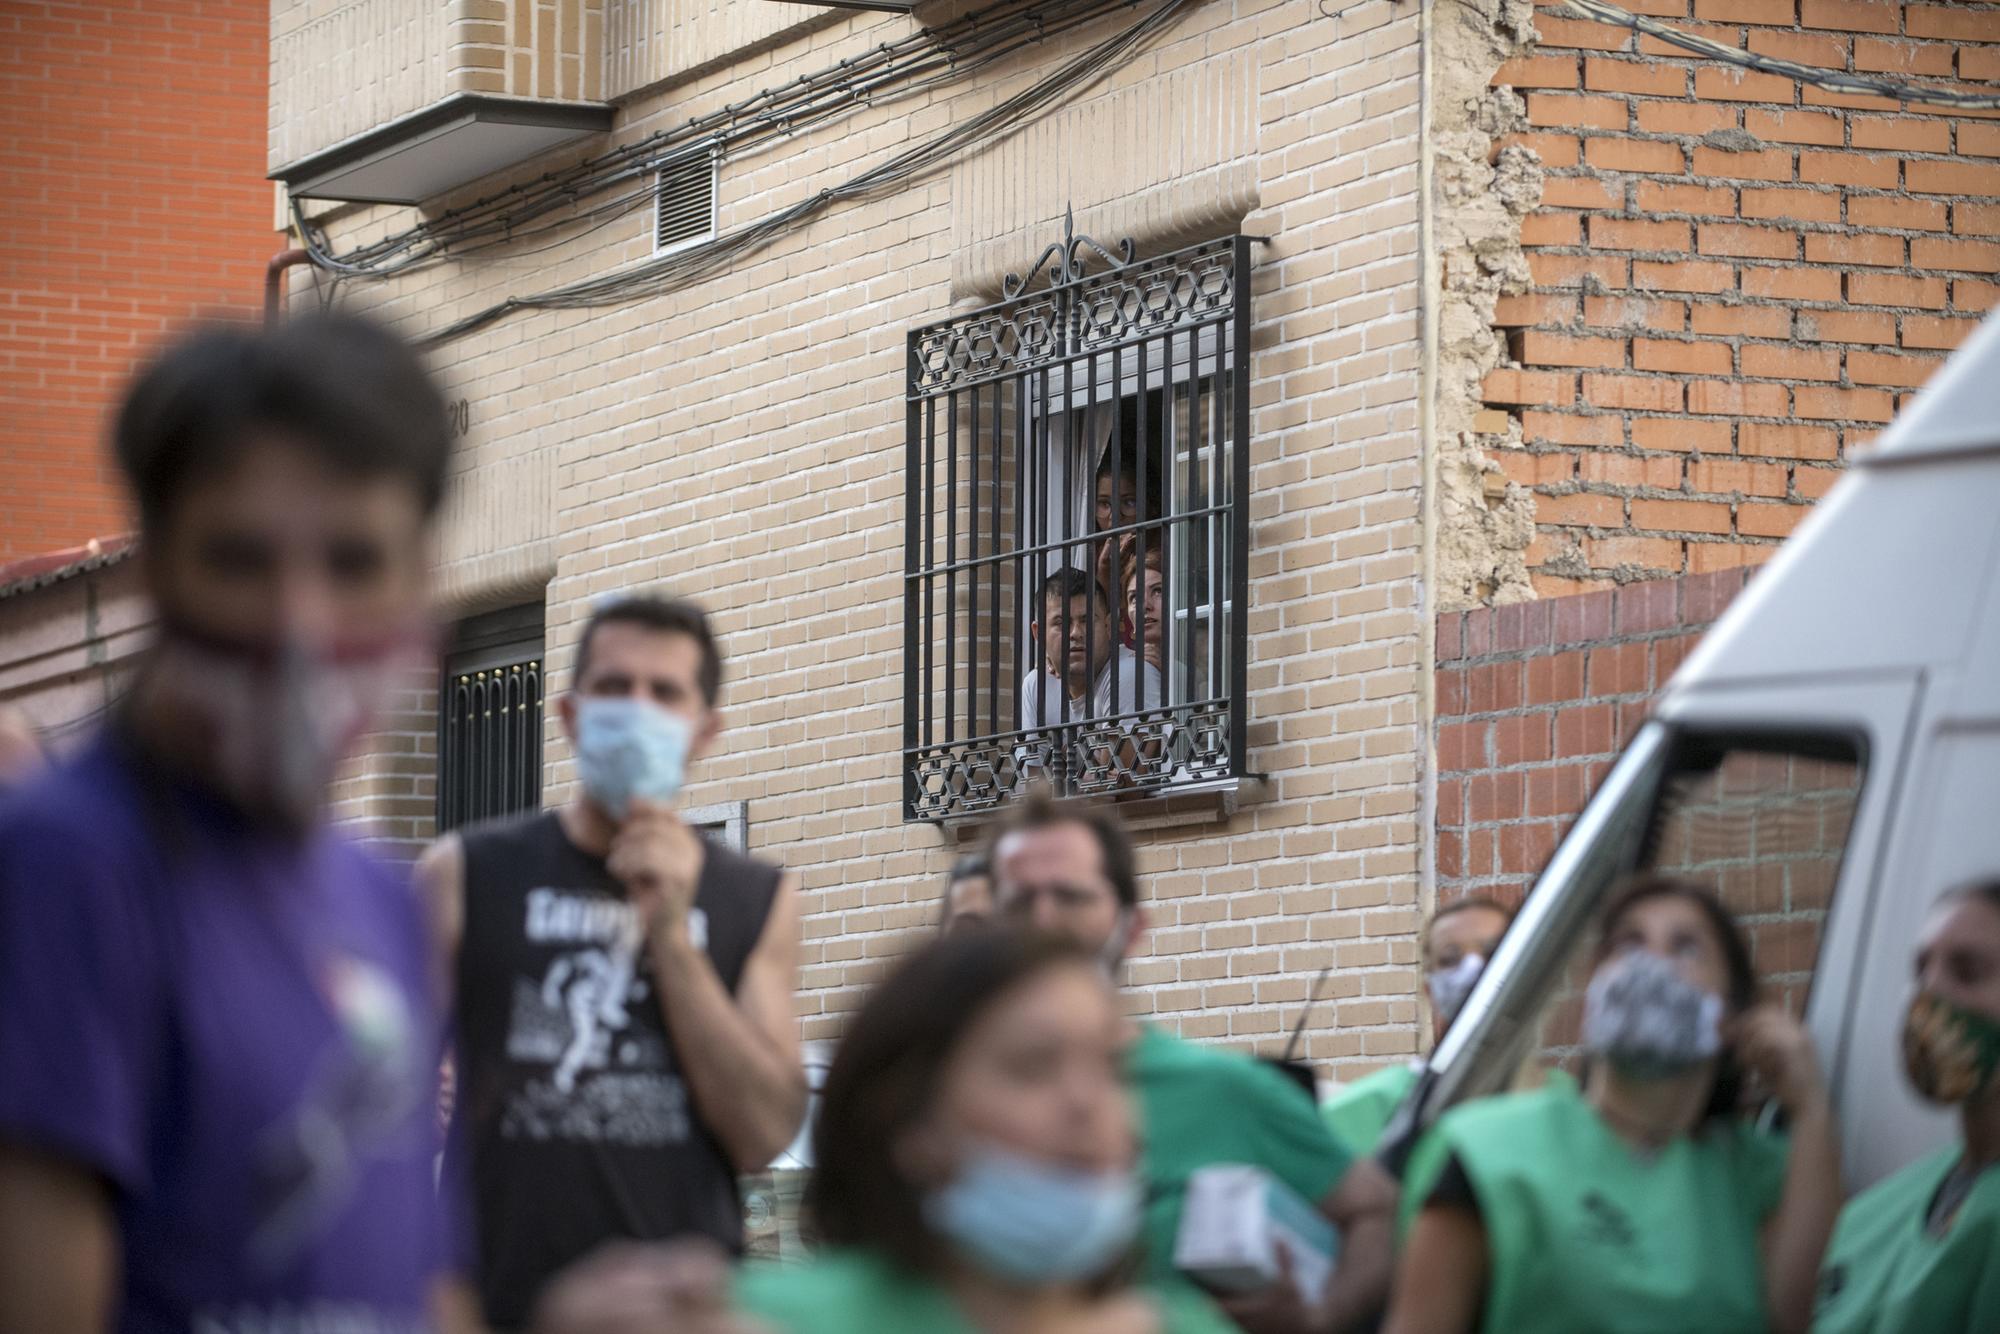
(975, 1154)
(1920, 1251)
(1638, 1201)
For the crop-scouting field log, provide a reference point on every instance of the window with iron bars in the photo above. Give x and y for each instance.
(1076, 541)
(490, 718)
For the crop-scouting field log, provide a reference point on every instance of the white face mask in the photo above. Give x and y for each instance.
(1451, 987)
(277, 723)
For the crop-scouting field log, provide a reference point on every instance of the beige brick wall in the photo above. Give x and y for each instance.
(741, 441)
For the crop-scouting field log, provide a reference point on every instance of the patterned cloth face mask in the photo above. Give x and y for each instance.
(1647, 1020)
(1949, 1052)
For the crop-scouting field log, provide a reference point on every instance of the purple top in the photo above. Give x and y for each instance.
(235, 1032)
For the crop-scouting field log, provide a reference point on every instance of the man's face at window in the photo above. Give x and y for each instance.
(1052, 879)
(1076, 637)
(1124, 509)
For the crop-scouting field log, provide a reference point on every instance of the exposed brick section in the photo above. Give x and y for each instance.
(1534, 702)
(1727, 267)
(133, 175)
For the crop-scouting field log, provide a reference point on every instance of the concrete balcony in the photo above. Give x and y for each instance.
(399, 101)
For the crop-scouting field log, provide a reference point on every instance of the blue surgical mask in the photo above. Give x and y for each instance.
(1024, 1221)
(627, 748)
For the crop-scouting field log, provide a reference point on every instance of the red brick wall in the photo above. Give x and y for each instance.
(1736, 280)
(131, 197)
(1534, 702)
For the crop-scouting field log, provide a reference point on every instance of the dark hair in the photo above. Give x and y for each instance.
(1984, 891)
(971, 866)
(670, 616)
(1469, 903)
(1070, 582)
(341, 387)
(884, 1079)
(1115, 845)
(1744, 990)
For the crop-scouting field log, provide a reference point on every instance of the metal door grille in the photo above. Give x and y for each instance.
(1133, 379)
(490, 721)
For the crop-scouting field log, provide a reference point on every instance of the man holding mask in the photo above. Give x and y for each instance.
(215, 1021)
(623, 986)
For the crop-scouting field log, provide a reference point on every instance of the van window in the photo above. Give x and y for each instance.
(1764, 823)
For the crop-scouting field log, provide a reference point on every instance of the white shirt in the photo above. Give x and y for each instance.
(1139, 687)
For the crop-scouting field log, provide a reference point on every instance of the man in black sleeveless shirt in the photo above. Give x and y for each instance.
(625, 1034)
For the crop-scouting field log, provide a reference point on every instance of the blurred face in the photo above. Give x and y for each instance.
(1076, 641)
(1679, 932)
(1451, 940)
(1472, 931)
(968, 902)
(1124, 510)
(661, 667)
(282, 550)
(1958, 957)
(1039, 1074)
(1052, 879)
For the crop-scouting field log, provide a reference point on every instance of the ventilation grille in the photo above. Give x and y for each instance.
(684, 211)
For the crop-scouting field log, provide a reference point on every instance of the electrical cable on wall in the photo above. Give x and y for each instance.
(665, 273)
(1826, 80)
(554, 203)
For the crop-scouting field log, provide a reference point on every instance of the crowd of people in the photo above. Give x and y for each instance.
(221, 1022)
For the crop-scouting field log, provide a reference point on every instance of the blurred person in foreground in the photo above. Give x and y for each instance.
(622, 985)
(22, 754)
(1071, 871)
(1460, 939)
(216, 1028)
(968, 894)
(1641, 1200)
(1920, 1251)
(975, 1148)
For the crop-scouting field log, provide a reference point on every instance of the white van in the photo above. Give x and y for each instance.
(1828, 759)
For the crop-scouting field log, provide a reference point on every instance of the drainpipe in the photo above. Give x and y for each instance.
(274, 281)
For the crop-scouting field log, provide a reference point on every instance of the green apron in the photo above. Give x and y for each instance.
(1201, 1105)
(860, 1292)
(1587, 1234)
(1884, 1272)
(1359, 1113)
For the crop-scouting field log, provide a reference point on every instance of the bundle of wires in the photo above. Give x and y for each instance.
(666, 272)
(568, 204)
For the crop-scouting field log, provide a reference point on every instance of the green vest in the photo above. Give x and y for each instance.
(860, 1292)
(1202, 1105)
(1885, 1274)
(1359, 1113)
(1587, 1234)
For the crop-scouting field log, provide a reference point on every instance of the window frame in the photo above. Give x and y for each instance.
(1032, 349)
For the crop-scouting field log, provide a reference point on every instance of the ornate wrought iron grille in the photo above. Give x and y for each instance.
(1076, 540)
(490, 719)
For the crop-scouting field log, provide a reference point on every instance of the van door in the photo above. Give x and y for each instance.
(1776, 796)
